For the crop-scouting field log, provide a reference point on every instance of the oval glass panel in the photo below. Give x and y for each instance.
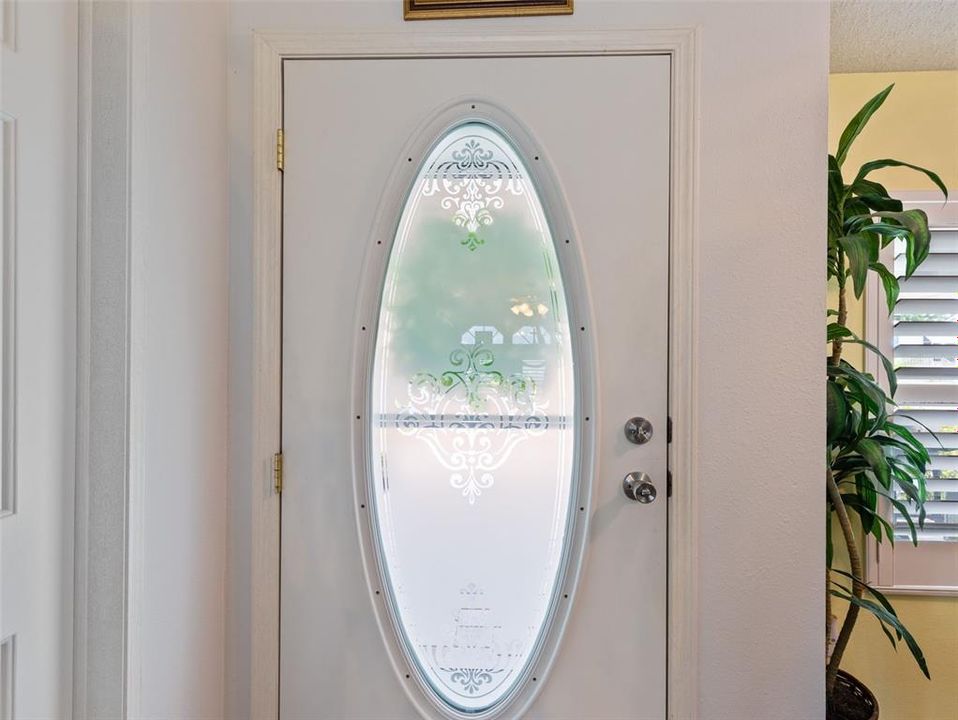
(473, 420)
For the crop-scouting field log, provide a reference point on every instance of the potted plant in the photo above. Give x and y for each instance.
(873, 457)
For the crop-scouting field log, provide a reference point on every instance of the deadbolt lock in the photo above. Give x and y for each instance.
(638, 430)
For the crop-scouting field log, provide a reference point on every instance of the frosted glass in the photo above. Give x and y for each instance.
(472, 412)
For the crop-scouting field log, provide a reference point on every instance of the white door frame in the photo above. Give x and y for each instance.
(270, 49)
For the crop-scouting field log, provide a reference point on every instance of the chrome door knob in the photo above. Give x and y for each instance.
(638, 486)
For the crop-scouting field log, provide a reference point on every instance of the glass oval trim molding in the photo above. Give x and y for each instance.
(473, 427)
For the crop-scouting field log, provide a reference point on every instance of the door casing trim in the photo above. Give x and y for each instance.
(269, 50)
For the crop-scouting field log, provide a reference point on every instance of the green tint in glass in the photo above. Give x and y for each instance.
(473, 420)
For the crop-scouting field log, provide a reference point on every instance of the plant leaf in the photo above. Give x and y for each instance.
(836, 411)
(872, 451)
(900, 507)
(834, 331)
(836, 197)
(865, 513)
(863, 388)
(886, 363)
(889, 283)
(877, 202)
(927, 429)
(884, 628)
(903, 432)
(858, 250)
(870, 187)
(917, 239)
(887, 232)
(870, 167)
(879, 612)
(858, 123)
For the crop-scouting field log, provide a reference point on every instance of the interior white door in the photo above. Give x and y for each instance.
(475, 302)
(38, 330)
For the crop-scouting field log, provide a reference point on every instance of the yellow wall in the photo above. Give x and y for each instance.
(917, 124)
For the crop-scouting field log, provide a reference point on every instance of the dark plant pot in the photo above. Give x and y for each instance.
(851, 700)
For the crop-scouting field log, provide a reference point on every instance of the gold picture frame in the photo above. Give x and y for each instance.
(449, 9)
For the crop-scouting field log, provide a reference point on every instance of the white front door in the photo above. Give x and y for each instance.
(475, 302)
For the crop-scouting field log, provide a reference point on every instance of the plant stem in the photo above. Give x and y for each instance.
(828, 610)
(842, 317)
(858, 590)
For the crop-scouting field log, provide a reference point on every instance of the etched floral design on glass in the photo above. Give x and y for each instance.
(472, 428)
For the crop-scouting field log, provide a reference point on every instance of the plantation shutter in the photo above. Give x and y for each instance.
(925, 353)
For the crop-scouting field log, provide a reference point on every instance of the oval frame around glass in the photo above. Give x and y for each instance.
(396, 190)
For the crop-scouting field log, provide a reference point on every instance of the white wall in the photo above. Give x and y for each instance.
(38, 89)
(763, 95)
(762, 113)
(178, 362)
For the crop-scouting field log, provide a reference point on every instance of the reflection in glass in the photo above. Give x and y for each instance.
(472, 434)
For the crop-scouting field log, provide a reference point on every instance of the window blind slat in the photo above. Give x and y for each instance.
(917, 393)
(936, 507)
(925, 329)
(944, 463)
(943, 373)
(924, 285)
(941, 485)
(937, 265)
(936, 420)
(909, 352)
(943, 308)
(933, 532)
(925, 354)
(946, 440)
(942, 241)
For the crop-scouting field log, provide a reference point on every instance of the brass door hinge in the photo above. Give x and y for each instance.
(278, 472)
(280, 150)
